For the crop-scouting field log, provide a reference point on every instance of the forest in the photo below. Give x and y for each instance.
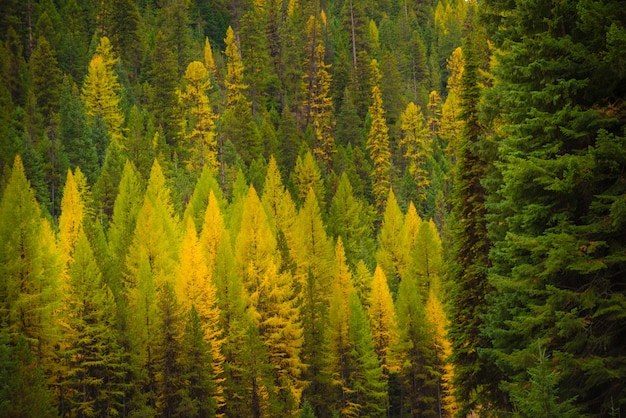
(312, 208)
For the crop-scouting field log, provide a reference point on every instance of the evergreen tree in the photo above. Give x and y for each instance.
(163, 99)
(75, 134)
(556, 254)
(307, 176)
(45, 79)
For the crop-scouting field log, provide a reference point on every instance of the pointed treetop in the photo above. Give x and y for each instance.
(209, 62)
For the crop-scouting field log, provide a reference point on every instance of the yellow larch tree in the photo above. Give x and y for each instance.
(382, 319)
(416, 141)
(378, 143)
(198, 124)
(234, 70)
(277, 200)
(451, 123)
(272, 303)
(436, 315)
(316, 86)
(213, 229)
(392, 254)
(101, 89)
(70, 220)
(209, 61)
(196, 291)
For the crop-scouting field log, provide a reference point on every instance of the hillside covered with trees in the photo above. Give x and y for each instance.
(307, 208)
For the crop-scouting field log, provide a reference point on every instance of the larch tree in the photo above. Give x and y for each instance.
(319, 102)
(414, 354)
(199, 201)
(392, 253)
(306, 175)
(30, 269)
(352, 220)
(272, 304)
(416, 141)
(234, 83)
(200, 146)
(313, 254)
(382, 318)
(209, 61)
(436, 316)
(101, 89)
(378, 143)
(93, 374)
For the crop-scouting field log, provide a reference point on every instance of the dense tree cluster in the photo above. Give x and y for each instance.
(306, 208)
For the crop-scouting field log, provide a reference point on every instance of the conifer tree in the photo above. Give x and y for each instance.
(234, 83)
(417, 144)
(73, 213)
(94, 372)
(46, 79)
(306, 176)
(382, 318)
(75, 134)
(101, 89)
(436, 316)
(272, 303)
(30, 269)
(378, 143)
(475, 377)
(557, 250)
(392, 253)
(163, 99)
(277, 201)
(197, 293)
(198, 203)
(200, 146)
(209, 61)
(313, 254)
(414, 353)
(351, 219)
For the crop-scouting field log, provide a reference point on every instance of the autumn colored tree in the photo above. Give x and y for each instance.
(416, 141)
(382, 318)
(30, 267)
(272, 303)
(200, 147)
(101, 89)
(392, 253)
(378, 143)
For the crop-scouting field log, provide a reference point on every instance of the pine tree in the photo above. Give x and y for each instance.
(46, 79)
(378, 143)
(200, 146)
(75, 134)
(417, 143)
